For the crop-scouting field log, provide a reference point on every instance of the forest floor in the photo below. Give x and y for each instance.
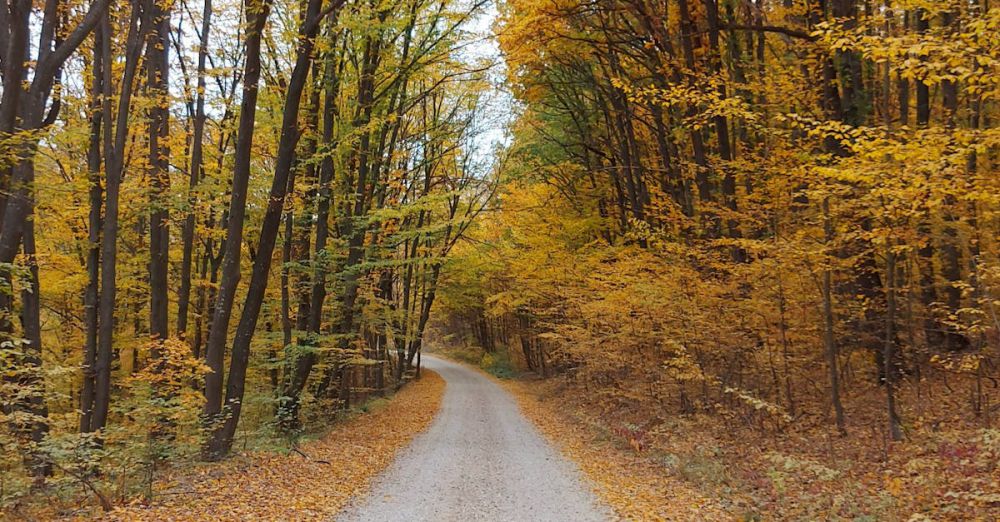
(653, 466)
(633, 484)
(314, 484)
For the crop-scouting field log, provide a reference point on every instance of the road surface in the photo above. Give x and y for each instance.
(481, 460)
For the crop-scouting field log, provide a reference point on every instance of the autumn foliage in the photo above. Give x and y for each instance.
(756, 241)
(223, 224)
(751, 246)
(314, 481)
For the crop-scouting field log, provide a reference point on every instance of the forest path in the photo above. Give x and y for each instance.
(480, 460)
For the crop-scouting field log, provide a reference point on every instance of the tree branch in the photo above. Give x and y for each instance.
(53, 61)
(787, 31)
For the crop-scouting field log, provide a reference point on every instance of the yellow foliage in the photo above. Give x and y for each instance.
(313, 484)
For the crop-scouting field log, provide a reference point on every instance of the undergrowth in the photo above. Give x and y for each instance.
(496, 363)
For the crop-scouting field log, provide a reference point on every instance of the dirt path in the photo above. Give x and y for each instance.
(480, 460)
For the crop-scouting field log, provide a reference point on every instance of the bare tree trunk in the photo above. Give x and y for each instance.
(32, 380)
(286, 297)
(201, 306)
(114, 150)
(688, 32)
(197, 160)
(951, 255)
(889, 355)
(923, 90)
(903, 84)
(829, 337)
(90, 298)
(221, 439)
(215, 349)
(933, 336)
(158, 68)
(722, 124)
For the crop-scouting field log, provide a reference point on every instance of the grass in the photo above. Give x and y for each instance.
(497, 364)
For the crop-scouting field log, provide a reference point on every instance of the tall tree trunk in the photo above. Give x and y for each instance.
(90, 297)
(688, 32)
(35, 381)
(23, 109)
(889, 355)
(158, 68)
(197, 160)
(355, 234)
(951, 255)
(300, 367)
(114, 153)
(829, 335)
(286, 297)
(721, 123)
(903, 84)
(215, 349)
(923, 89)
(221, 438)
(933, 334)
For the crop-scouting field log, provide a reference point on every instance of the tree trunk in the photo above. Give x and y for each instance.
(688, 32)
(158, 68)
(951, 255)
(114, 152)
(221, 439)
(197, 160)
(32, 381)
(90, 298)
(215, 349)
(889, 354)
(721, 123)
(829, 336)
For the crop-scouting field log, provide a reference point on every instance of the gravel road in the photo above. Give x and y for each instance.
(480, 460)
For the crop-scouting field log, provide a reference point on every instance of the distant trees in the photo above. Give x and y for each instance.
(708, 199)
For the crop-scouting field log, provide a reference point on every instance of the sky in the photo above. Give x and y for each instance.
(498, 107)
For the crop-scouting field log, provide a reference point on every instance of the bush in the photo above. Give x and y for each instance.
(497, 364)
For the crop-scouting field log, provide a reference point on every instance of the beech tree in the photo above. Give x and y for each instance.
(756, 156)
(171, 147)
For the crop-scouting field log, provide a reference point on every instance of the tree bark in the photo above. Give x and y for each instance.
(90, 298)
(114, 147)
(829, 336)
(221, 439)
(302, 366)
(889, 354)
(197, 160)
(158, 69)
(215, 349)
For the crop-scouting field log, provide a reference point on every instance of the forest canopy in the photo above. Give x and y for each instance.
(776, 219)
(771, 224)
(222, 221)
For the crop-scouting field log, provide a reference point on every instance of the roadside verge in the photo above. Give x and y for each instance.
(626, 478)
(314, 484)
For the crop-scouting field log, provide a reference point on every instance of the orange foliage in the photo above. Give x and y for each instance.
(292, 487)
(627, 478)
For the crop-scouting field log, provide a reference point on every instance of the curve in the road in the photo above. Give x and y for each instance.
(481, 460)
